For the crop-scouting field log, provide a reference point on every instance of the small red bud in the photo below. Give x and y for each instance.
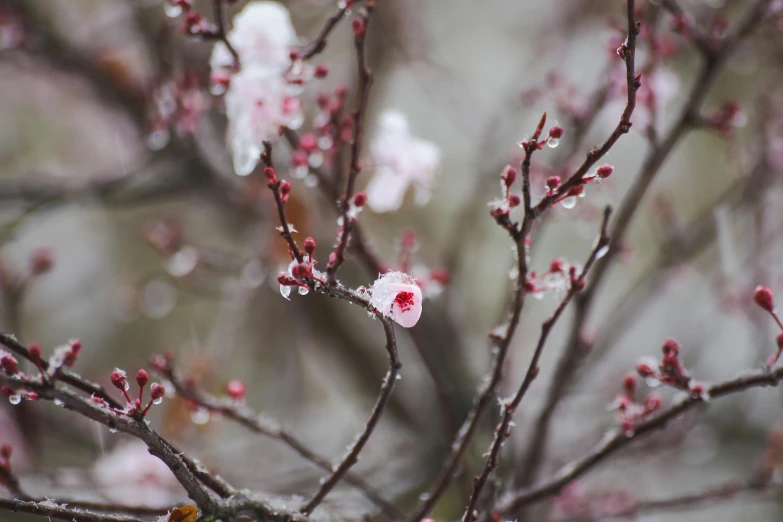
(142, 378)
(671, 348)
(556, 132)
(8, 363)
(309, 246)
(285, 190)
(644, 370)
(514, 200)
(308, 142)
(321, 71)
(236, 389)
(764, 298)
(604, 171)
(157, 392)
(294, 55)
(35, 353)
(358, 27)
(302, 270)
(509, 175)
(629, 383)
(651, 404)
(360, 199)
(7, 391)
(271, 175)
(553, 182)
(118, 379)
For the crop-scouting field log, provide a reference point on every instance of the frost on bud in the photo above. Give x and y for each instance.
(41, 261)
(9, 364)
(157, 392)
(513, 200)
(360, 199)
(556, 132)
(142, 378)
(236, 389)
(671, 348)
(604, 171)
(302, 270)
(309, 246)
(285, 190)
(764, 298)
(118, 380)
(396, 295)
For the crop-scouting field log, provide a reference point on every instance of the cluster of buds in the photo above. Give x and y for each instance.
(64, 356)
(671, 372)
(300, 274)
(568, 199)
(177, 105)
(300, 72)
(500, 208)
(766, 300)
(193, 23)
(561, 277)
(134, 407)
(726, 119)
(629, 410)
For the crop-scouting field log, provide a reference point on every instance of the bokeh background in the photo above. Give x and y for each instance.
(78, 177)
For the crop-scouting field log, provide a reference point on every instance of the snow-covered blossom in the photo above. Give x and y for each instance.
(397, 295)
(261, 97)
(130, 475)
(401, 160)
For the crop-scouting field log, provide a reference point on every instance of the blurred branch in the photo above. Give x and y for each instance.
(616, 439)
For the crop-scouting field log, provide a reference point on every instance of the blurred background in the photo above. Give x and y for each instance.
(134, 235)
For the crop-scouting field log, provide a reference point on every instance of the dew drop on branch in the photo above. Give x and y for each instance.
(285, 291)
(15, 399)
(303, 290)
(569, 203)
(552, 143)
(172, 10)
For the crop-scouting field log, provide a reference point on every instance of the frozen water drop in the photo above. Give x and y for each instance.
(552, 143)
(158, 400)
(217, 88)
(15, 399)
(285, 291)
(172, 10)
(602, 252)
(58, 402)
(569, 203)
(303, 290)
(182, 262)
(200, 416)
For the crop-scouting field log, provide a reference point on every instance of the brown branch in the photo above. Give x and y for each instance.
(617, 440)
(503, 429)
(251, 420)
(571, 359)
(61, 512)
(318, 44)
(365, 81)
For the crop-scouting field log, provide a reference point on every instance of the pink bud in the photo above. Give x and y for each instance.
(118, 379)
(629, 383)
(302, 270)
(556, 132)
(142, 378)
(513, 200)
(35, 353)
(651, 404)
(321, 71)
(360, 199)
(644, 370)
(309, 245)
(236, 389)
(553, 182)
(285, 190)
(8, 363)
(271, 175)
(764, 298)
(604, 171)
(671, 348)
(509, 175)
(358, 27)
(157, 392)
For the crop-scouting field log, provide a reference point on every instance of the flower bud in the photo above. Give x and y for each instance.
(35, 353)
(118, 380)
(9, 364)
(553, 182)
(360, 199)
(309, 246)
(604, 171)
(142, 378)
(358, 27)
(513, 200)
(764, 298)
(236, 389)
(509, 175)
(302, 270)
(556, 132)
(157, 392)
(285, 190)
(321, 71)
(271, 175)
(629, 383)
(671, 348)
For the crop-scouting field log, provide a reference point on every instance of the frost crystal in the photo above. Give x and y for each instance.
(401, 160)
(397, 296)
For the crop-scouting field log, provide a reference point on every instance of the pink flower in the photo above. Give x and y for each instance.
(259, 99)
(398, 296)
(401, 160)
(262, 35)
(258, 104)
(130, 475)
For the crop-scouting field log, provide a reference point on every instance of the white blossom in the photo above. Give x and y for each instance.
(396, 295)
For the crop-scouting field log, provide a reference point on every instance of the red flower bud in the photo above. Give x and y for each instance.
(35, 353)
(360, 199)
(509, 175)
(358, 27)
(118, 380)
(302, 270)
(8, 363)
(142, 378)
(309, 245)
(556, 132)
(321, 71)
(513, 200)
(764, 298)
(553, 182)
(271, 175)
(644, 370)
(604, 171)
(285, 190)
(236, 389)
(157, 392)
(629, 383)
(671, 347)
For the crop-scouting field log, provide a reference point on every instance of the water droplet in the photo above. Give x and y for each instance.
(325, 142)
(569, 203)
(158, 400)
(172, 10)
(552, 143)
(424, 497)
(285, 291)
(58, 402)
(158, 139)
(311, 181)
(15, 399)
(303, 290)
(602, 252)
(200, 416)
(112, 430)
(652, 382)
